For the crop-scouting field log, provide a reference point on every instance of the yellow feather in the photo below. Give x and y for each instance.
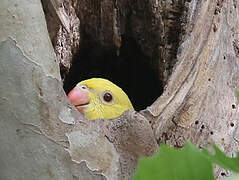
(98, 108)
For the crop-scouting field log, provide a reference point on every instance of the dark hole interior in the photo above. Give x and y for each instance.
(130, 69)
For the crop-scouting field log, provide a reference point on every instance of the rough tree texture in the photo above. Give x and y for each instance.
(42, 135)
(63, 27)
(199, 101)
(40, 129)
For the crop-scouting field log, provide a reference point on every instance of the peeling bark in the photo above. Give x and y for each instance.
(193, 44)
(64, 30)
(42, 135)
(48, 134)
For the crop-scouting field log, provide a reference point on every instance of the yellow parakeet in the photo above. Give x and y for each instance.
(99, 98)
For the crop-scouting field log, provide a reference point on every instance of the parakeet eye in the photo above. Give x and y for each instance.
(108, 97)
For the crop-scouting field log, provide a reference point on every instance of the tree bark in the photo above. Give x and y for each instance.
(42, 135)
(194, 44)
(199, 100)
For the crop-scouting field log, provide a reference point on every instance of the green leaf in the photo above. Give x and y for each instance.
(188, 163)
(222, 160)
(237, 94)
(175, 164)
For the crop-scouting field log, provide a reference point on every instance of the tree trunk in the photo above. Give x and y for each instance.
(192, 48)
(199, 100)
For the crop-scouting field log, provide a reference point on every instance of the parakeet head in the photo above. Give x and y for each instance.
(99, 98)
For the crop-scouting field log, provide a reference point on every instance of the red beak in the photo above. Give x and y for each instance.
(79, 97)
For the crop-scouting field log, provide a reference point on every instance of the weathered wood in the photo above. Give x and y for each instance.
(63, 27)
(199, 100)
(42, 135)
(193, 43)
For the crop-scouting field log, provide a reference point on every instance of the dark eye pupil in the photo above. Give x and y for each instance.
(107, 97)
